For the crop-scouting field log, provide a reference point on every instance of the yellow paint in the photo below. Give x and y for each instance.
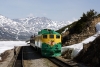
(50, 40)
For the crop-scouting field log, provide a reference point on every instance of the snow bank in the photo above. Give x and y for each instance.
(98, 27)
(76, 48)
(6, 45)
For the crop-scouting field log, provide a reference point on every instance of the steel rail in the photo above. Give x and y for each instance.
(18, 61)
(59, 62)
(22, 58)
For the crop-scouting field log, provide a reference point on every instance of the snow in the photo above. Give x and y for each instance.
(76, 48)
(65, 30)
(6, 45)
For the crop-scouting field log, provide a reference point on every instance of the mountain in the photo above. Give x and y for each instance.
(11, 30)
(34, 24)
(22, 29)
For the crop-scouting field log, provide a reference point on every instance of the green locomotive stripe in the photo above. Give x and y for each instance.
(51, 51)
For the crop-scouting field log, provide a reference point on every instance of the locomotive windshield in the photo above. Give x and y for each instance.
(44, 36)
(51, 36)
(57, 36)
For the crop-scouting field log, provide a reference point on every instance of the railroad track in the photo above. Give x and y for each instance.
(19, 59)
(28, 54)
(58, 62)
(66, 62)
(14, 59)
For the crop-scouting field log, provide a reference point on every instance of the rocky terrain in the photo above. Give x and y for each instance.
(76, 38)
(90, 54)
(4, 55)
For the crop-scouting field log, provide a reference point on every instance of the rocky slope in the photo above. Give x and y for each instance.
(90, 54)
(70, 39)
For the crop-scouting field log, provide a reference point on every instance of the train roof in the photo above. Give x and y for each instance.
(48, 31)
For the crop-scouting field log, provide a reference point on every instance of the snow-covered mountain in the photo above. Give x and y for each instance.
(21, 29)
(10, 29)
(34, 24)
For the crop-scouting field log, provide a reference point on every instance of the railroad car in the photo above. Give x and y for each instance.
(49, 43)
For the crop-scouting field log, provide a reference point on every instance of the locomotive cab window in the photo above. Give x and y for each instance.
(51, 36)
(44, 36)
(57, 36)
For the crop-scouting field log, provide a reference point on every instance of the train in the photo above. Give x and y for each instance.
(48, 42)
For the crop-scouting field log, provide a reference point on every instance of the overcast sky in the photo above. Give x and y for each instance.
(60, 10)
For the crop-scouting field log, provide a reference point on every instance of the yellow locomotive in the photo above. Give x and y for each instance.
(49, 43)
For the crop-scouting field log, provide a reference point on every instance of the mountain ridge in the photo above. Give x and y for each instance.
(21, 29)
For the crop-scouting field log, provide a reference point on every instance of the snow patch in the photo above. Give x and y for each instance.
(7, 45)
(78, 47)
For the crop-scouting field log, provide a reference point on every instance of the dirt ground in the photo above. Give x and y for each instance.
(4, 55)
(6, 58)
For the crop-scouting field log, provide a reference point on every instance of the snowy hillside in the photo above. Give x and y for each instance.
(21, 29)
(11, 30)
(34, 24)
(76, 48)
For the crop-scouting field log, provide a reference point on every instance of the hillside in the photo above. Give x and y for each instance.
(90, 54)
(79, 30)
(76, 38)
